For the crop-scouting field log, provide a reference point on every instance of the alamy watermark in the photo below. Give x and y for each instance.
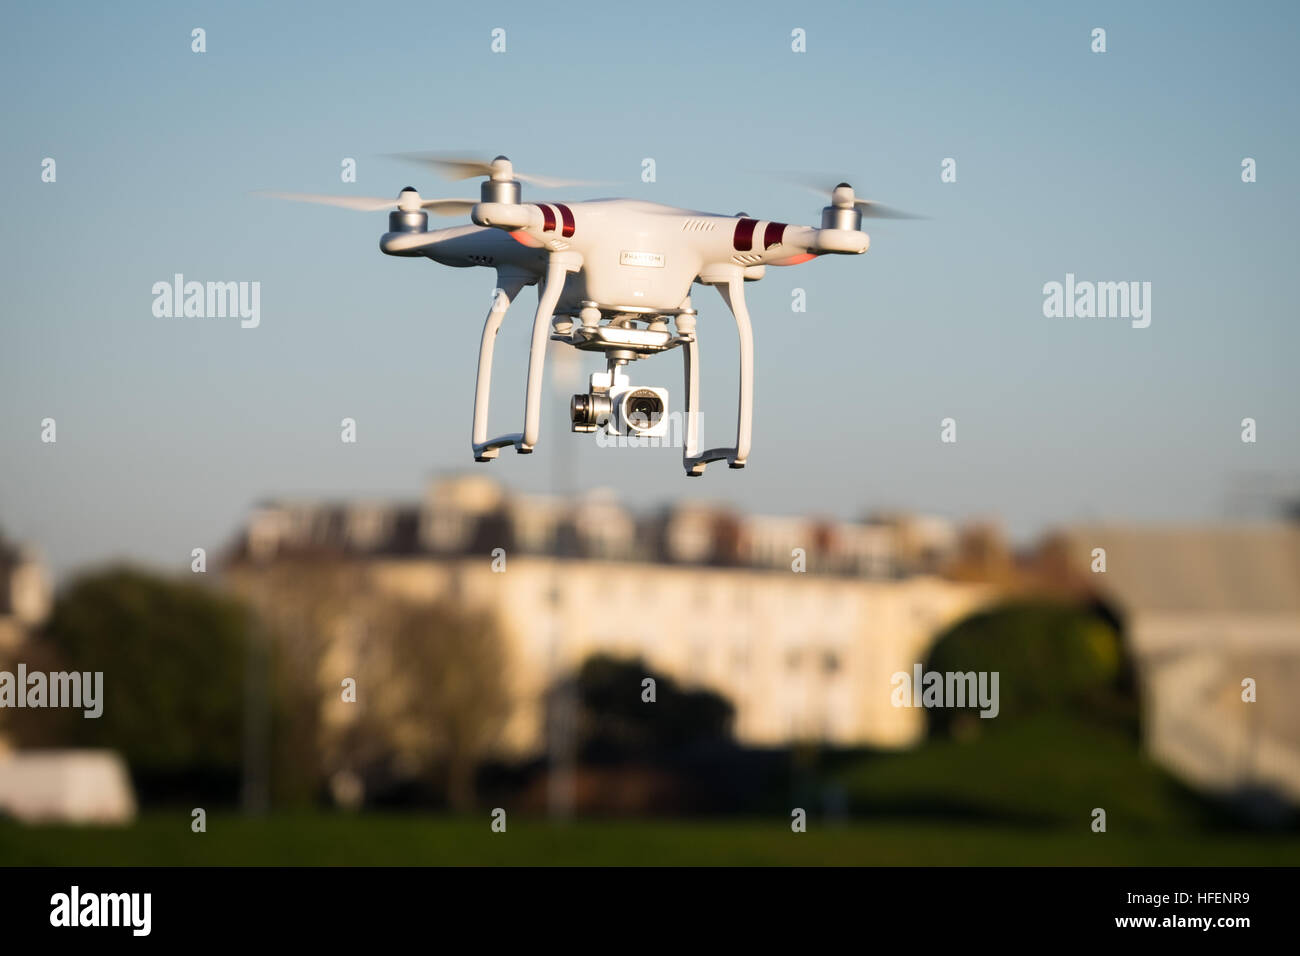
(208, 300)
(674, 435)
(1098, 300)
(75, 908)
(81, 689)
(955, 689)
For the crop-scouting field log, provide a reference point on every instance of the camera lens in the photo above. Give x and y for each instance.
(586, 411)
(643, 409)
(580, 410)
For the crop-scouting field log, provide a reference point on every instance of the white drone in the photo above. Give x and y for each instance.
(610, 275)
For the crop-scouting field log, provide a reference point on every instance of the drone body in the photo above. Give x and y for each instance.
(636, 256)
(611, 275)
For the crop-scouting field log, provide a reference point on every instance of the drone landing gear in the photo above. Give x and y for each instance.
(485, 449)
(508, 287)
(620, 342)
(730, 285)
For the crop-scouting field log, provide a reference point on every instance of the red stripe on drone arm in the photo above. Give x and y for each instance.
(567, 215)
(773, 234)
(548, 218)
(743, 240)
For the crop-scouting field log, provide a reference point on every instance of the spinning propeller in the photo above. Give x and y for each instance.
(408, 200)
(842, 198)
(499, 169)
(501, 185)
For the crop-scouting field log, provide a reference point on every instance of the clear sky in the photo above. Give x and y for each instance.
(1117, 166)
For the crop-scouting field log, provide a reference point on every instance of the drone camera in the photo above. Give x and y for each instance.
(620, 407)
(642, 412)
(589, 411)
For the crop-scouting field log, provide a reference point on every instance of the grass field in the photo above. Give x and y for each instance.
(1024, 795)
(328, 839)
(1052, 769)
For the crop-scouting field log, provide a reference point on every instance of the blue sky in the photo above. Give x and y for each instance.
(1115, 166)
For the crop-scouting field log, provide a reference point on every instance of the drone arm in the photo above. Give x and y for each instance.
(507, 216)
(798, 244)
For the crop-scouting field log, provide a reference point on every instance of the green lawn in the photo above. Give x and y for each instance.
(1021, 795)
(326, 839)
(1047, 770)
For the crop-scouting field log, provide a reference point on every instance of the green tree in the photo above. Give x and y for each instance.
(430, 684)
(172, 656)
(614, 722)
(435, 694)
(1050, 658)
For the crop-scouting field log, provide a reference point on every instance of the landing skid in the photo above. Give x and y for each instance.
(621, 342)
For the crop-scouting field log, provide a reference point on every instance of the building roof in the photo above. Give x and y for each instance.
(475, 515)
(1241, 568)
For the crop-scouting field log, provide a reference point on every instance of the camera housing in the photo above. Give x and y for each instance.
(637, 411)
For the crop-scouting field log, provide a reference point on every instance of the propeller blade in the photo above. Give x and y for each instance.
(550, 182)
(359, 203)
(815, 183)
(874, 210)
(439, 207)
(468, 167)
(452, 167)
(812, 182)
(448, 207)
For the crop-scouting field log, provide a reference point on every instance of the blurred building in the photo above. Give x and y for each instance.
(49, 786)
(25, 594)
(799, 621)
(1204, 609)
(66, 786)
(25, 597)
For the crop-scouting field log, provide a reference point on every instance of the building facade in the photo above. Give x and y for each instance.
(799, 622)
(1211, 615)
